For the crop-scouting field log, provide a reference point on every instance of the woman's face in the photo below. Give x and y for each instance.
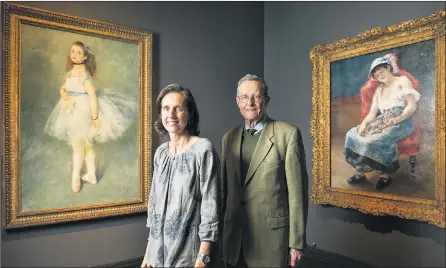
(382, 73)
(77, 54)
(174, 113)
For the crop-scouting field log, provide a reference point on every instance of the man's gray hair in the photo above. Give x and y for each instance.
(253, 77)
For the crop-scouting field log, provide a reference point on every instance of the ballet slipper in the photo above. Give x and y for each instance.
(90, 178)
(75, 183)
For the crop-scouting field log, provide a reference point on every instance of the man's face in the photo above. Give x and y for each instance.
(251, 101)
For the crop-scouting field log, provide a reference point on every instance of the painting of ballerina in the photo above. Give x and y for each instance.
(383, 121)
(78, 117)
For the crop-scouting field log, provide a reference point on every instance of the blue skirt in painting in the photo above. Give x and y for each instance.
(378, 150)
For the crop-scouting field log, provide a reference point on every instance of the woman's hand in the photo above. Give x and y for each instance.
(199, 263)
(96, 123)
(362, 128)
(63, 94)
(145, 264)
(393, 121)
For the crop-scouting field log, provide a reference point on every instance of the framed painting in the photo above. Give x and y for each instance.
(76, 118)
(378, 121)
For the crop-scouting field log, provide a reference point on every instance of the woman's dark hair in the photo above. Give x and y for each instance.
(194, 118)
(385, 65)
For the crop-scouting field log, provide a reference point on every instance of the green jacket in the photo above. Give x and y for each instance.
(266, 214)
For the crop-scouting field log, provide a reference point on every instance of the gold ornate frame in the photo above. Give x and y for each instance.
(14, 17)
(378, 39)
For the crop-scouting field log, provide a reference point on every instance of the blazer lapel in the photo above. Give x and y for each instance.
(236, 147)
(263, 146)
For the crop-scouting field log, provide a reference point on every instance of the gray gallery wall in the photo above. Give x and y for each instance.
(291, 30)
(205, 46)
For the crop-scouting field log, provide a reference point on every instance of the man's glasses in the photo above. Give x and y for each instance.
(246, 98)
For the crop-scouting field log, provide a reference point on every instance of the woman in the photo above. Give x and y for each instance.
(373, 144)
(183, 202)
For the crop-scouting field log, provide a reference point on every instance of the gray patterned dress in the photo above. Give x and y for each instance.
(183, 204)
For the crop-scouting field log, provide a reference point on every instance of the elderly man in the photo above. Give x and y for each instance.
(263, 162)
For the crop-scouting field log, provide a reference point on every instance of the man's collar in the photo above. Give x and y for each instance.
(259, 126)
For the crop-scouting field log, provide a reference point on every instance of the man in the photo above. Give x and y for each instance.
(263, 162)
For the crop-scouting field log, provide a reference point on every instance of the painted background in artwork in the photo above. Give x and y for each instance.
(46, 163)
(348, 76)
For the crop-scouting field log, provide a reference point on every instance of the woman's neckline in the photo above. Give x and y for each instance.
(184, 151)
(71, 74)
(83, 76)
(394, 93)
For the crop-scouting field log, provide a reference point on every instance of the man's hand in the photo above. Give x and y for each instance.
(295, 257)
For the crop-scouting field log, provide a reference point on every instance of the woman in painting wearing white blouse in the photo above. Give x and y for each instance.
(373, 144)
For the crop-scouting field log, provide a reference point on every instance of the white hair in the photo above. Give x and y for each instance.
(253, 77)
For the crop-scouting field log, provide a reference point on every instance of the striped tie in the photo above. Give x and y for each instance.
(252, 131)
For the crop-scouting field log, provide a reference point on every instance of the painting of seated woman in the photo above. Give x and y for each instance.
(382, 127)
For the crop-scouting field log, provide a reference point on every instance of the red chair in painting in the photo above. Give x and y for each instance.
(409, 146)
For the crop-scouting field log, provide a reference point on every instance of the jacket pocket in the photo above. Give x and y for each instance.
(273, 164)
(278, 222)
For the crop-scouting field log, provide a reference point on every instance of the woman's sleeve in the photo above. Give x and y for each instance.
(209, 176)
(411, 91)
(407, 88)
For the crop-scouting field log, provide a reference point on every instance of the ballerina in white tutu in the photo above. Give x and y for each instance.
(84, 115)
